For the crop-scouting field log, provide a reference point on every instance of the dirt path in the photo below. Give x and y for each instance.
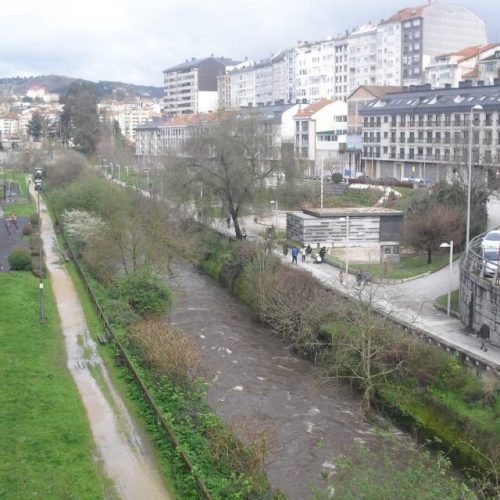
(126, 456)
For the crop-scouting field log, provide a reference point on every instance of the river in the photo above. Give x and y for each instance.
(256, 378)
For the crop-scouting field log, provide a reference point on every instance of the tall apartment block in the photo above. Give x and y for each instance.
(425, 132)
(191, 87)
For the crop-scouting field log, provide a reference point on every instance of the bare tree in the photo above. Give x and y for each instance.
(228, 159)
(364, 348)
(430, 225)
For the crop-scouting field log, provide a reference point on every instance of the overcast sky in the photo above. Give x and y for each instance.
(135, 40)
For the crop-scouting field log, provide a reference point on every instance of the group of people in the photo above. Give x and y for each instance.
(306, 254)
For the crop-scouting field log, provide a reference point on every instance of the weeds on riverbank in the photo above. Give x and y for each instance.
(422, 387)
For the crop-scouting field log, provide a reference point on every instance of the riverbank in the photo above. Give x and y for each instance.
(440, 399)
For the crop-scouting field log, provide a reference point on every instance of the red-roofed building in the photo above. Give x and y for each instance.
(453, 67)
(320, 135)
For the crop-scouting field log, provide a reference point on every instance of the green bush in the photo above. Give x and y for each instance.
(20, 260)
(27, 229)
(337, 177)
(146, 294)
(34, 220)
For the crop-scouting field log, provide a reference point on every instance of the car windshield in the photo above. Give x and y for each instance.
(491, 255)
(493, 236)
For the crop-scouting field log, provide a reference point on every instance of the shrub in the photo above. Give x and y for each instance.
(337, 177)
(20, 260)
(166, 351)
(27, 229)
(34, 220)
(148, 295)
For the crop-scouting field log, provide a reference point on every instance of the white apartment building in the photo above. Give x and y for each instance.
(191, 87)
(263, 83)
(10, 126)
(341, 73)
(321, 135)
(283, 64)
(315, 70)
(388, 57)
(363, 57)
(452, 68)
(489, 68)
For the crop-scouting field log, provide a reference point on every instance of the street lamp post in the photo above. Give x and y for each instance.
(38, 188)
(450, 246)
(276, 213)
(477, 107)
(347, 221)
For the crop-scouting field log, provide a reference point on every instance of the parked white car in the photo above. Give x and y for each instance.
(491, 240)
(491, 262)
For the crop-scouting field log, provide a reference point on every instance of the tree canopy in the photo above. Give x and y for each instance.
(228, 159)
(79, 118)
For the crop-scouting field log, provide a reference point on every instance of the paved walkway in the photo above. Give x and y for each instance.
(126, 457)
(409, 303)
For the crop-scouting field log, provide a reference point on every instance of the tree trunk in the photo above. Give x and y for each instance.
(234, 216)
(429, 255)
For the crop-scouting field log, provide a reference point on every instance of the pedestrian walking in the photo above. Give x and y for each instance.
(303, 254)
(341, 277)
(308, 252)
(285, 249)
(484, 334)
(295, 253)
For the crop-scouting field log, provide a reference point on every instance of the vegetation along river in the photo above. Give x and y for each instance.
(255, 378)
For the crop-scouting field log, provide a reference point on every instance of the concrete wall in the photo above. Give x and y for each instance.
(479, 303)
(363, 231)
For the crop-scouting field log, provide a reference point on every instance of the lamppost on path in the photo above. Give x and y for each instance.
(276, 213)
(450, 246)
(347, 221)
(477, 107)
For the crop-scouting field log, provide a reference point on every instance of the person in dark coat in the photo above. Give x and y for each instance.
(484, 335)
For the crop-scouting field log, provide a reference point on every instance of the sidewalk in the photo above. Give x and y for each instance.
(410, 303)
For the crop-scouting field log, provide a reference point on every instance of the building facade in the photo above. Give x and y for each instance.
(425, 133)
(191, 87)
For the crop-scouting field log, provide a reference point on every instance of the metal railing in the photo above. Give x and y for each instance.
(202, 489)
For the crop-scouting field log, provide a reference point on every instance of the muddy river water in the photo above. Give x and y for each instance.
(256, 378)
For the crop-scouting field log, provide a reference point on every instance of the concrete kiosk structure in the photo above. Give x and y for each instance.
(374, 232)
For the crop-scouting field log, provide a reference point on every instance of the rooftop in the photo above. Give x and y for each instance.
(344, 212)
(423, 100)
(193, 63)
(407, 13)
(310, 109)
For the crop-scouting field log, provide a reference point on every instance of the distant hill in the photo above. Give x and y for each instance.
(59, 84)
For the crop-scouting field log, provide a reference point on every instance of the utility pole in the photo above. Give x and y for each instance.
(38, 188)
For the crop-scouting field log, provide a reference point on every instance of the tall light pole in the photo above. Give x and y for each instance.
(276, 213)
(477, 107)
(38, 188)
(346, 219)
(321, 196)
(450, 246)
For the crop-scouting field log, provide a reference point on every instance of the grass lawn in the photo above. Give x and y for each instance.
(407, 268)
(442, 300)
(45, 440)
(20, 209)
(356, 197)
